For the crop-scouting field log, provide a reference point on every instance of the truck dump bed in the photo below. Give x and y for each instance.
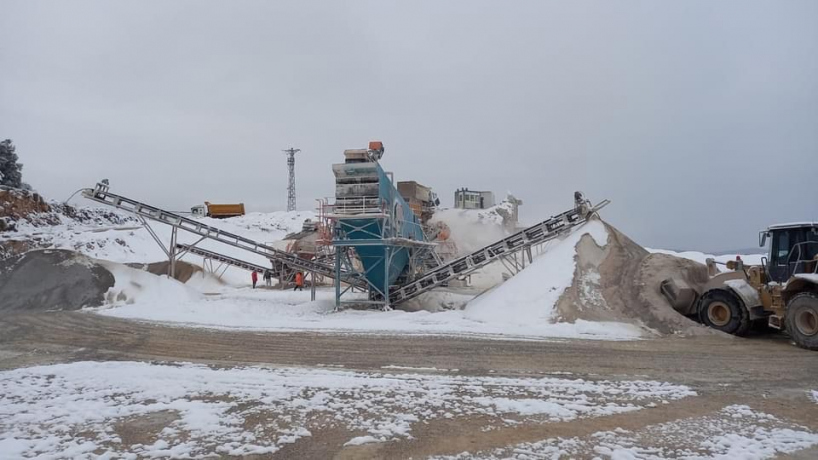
(221, 211)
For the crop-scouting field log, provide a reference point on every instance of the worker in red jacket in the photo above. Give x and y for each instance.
(254, 277)
(299, 282)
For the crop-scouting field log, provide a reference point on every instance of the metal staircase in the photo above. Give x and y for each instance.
(101, 194)
(537, 234)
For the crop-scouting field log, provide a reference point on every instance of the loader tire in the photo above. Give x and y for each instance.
(722, 310)
(802, 320)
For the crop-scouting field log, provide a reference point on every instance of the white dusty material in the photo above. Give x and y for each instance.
(472, 229)
(735, 432)
(258, 410)
(814, 396)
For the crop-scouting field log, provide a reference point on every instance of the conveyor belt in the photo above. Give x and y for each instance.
(537, 234)
(101, 194)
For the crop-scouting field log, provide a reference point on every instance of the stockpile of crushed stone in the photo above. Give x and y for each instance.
(594, 274)
(183, 272)
(620, 282)
(46, 280)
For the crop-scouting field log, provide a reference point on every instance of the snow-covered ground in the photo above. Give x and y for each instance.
(523, 307)
(87, 409)
(286, 310)
(735, 432)
(78, 410)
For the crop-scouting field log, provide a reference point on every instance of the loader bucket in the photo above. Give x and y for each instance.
(681, 296)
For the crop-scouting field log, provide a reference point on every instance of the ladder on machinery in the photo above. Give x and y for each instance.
(101, 194)
(543, 232)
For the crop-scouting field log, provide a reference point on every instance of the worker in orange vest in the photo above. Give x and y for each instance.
(299, 282)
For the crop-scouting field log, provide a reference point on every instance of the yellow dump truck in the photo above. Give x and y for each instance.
(218, 211)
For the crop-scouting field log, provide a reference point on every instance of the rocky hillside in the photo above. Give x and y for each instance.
(26, 219)
(19, 205)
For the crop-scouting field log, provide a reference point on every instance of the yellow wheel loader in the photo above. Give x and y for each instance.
(782, 291)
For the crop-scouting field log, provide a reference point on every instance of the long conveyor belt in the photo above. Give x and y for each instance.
(225, 259)
(537, 234)
(101, 194)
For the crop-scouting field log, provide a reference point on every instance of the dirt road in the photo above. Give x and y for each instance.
(765, 371)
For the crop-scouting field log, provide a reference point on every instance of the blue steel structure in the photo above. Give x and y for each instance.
(374, 225)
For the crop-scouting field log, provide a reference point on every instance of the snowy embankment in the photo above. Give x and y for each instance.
(523, 307)
(200, 411)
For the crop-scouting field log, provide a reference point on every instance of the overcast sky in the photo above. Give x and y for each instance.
(699, 120)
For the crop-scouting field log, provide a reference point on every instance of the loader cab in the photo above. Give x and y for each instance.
(793, 249)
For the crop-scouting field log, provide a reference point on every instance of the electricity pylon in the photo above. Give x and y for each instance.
(291, 184)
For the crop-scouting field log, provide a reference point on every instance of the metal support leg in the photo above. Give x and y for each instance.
(386, 263)
(338, 278)
(172, 253)
(153, 235)
(312, 290)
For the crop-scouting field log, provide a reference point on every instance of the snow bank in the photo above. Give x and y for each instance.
(132, 286)
(198, 411)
